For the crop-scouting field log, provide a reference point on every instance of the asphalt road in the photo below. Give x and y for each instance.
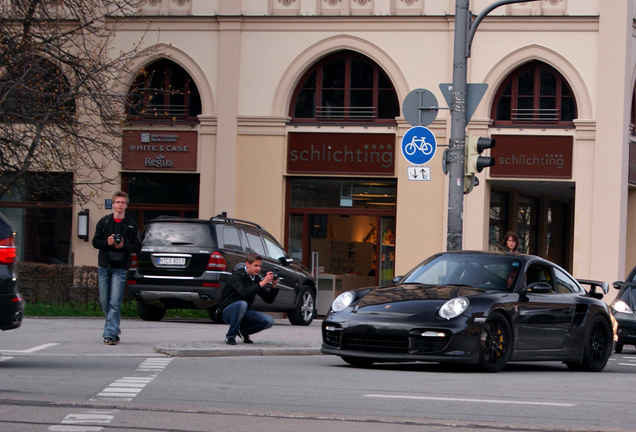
(78, 384)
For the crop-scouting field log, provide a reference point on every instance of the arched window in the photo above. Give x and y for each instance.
(345, 88)
(35, 90)
(534, 95)
(164, 91)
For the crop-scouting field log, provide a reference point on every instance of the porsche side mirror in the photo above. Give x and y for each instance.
(396, 280)
(539, 288)
(617, 284)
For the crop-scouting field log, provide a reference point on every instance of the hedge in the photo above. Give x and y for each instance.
(60, 284)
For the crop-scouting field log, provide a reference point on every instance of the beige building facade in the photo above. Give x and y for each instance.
(560, 77)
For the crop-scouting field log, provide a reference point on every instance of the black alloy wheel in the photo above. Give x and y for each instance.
(597, 346)
(305, 309)
(150, 313)
(495, 345)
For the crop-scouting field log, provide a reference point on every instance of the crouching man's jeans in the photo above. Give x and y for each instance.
(247, 321)
(111, 291)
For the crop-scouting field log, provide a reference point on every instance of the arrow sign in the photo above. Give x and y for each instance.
(418, 173)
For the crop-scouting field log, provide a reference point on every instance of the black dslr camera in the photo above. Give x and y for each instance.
(117, 238)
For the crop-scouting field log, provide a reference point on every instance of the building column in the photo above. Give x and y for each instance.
(227, 102)
(207, 158)
(609, 194)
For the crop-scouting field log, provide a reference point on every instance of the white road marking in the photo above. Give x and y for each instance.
(471, 400)
(30, 350)
(71, 422)
(154, 364)
(5, 358)
(125, 389)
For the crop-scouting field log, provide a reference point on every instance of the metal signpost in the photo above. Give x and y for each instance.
(464, 33)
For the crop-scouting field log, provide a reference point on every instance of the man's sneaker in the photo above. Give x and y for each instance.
(116, 339)
(230, 341)
(245, 338)
(109, 341)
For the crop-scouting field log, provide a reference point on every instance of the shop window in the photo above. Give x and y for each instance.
(40, 208)
(498, 218)
(339, 193)
(153, 195)
(345, 88)
(164, 92)
(534, 95)
(528, 221)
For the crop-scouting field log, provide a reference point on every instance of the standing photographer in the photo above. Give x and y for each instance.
(238, 296)
(116, 237)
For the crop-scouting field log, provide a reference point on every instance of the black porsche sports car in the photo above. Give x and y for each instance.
(486, 308)
(623, 310)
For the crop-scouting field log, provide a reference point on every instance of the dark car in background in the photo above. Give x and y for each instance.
(624, 309)
(184, 263)
(11, 302)
(483, 308)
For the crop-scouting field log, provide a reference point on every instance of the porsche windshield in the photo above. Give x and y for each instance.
(482, 271)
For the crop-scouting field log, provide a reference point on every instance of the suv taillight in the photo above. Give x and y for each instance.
(7, 250)
(216, 261)
(133, 260)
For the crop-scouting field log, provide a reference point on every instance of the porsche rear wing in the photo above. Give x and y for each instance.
(604, 286)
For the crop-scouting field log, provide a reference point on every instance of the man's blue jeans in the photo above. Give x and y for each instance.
(247, 321)
(111, 291)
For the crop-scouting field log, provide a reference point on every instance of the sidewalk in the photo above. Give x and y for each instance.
(173, 337)
(283, 339)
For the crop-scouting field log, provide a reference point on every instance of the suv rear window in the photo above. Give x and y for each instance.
(171, 233)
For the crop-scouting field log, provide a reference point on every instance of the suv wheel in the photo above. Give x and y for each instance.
(212, 314)
(305, 310)
(150, 313)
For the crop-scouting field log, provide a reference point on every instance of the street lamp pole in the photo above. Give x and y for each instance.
(464, 33)
(455, 155)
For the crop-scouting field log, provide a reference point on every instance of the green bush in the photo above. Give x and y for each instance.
(64, 290)
(61, 284)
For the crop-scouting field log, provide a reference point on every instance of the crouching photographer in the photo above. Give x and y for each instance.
(237, 298)
(116, 237)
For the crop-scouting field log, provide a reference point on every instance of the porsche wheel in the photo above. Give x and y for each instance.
(495, 345)
(597, 346)
(358, 362)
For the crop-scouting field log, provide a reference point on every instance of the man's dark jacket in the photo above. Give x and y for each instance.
(241, 287)
(129, 232)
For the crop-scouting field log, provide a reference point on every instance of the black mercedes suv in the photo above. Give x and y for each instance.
(184, 263)
(11, 302)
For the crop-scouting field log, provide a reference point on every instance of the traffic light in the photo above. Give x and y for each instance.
(474, 163)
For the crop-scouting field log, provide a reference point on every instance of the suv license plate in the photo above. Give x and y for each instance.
(170, 261)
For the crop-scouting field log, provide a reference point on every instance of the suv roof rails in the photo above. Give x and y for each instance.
(222, 217)
(167, 217)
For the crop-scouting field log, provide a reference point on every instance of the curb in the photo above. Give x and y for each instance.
(237, 351)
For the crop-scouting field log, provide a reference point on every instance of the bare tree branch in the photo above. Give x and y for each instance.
(61, 102)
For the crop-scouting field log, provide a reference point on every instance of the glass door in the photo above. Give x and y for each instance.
(387, 251)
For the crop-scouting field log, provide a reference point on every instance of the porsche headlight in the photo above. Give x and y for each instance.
(342, 301)
(622, 307)
(454, 307)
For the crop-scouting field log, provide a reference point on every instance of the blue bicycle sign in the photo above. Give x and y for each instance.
(419, 145)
